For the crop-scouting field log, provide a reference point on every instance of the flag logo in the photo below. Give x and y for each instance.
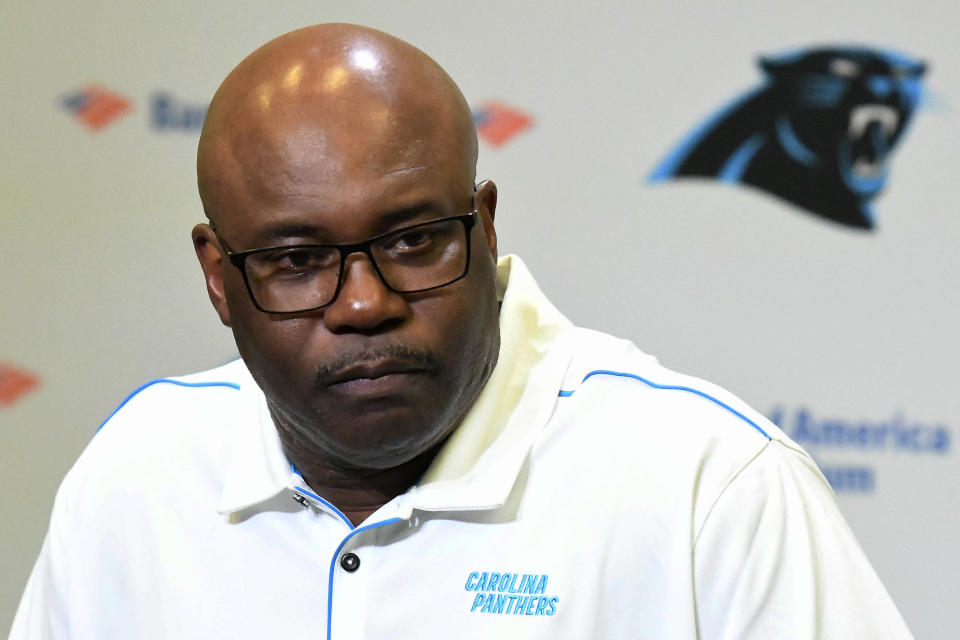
(14, 384)
(498, 123)
(95, 107)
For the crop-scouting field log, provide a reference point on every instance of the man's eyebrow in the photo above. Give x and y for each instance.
(383, 222)
(285, 231)
(408, 213)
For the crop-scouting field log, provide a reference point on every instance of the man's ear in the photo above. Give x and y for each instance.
(486, 199)
(212, 262)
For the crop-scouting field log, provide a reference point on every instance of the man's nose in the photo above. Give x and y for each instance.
(364, 303)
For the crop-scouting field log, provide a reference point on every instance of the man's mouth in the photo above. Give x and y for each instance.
(374, 378)
(389, 369)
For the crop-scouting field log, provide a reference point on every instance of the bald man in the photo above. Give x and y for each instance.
(415, 443)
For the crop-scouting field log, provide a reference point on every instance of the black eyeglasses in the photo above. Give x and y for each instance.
(306, 277)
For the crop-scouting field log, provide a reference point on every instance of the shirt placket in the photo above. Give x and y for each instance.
(351, 564)
(350, 580)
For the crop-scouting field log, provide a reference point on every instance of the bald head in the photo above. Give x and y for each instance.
(306, 109)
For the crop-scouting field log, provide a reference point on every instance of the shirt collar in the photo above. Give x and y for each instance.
(479, 464)
(257, 468)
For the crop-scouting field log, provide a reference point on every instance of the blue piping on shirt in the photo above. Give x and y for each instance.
(319, 499)
(232, 385)
(566, 394)
(294, 469)
(333, 564)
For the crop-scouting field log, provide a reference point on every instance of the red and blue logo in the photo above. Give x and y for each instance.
(15, 382)
(96, 107)
(498, 123)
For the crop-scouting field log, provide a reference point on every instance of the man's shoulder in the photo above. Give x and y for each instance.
(180, 400)
(649, 426)
(610, 371)
(167, 427)
(658, 413)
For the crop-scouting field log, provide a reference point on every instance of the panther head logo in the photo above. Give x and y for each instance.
(818, 133)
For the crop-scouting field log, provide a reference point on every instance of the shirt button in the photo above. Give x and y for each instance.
(350, 562)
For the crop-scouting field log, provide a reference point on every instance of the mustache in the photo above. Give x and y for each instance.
(396, 353)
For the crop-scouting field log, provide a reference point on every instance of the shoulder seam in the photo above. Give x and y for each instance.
(669, 387)
(179, 383)
(723, 491)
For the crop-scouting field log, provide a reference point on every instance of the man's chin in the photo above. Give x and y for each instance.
(383, 436)
(382, 458)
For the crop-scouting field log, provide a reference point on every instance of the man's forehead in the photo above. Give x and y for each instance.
(352, 131)
(319, 159)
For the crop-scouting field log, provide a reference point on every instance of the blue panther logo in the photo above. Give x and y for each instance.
(818, 133)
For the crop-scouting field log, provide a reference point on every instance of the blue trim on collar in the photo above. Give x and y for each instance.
(326, 502)
(670, 387)
(333, 566)
(179, 383)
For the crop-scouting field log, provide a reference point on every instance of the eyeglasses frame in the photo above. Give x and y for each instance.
(238, 259)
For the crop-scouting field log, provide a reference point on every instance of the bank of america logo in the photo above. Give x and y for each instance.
(95, 107)
(14, 384)
(498, 123)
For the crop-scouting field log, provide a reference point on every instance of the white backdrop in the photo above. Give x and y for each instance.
(823, 327)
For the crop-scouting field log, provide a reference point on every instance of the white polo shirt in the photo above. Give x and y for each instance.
(590, 493)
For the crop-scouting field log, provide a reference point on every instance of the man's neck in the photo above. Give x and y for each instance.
(357, 493)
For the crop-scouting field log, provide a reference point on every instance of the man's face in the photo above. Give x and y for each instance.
(375, 378)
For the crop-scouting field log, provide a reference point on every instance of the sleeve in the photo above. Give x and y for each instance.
(42, 614)
(775, 559)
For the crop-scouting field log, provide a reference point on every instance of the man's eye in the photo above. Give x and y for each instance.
(412, 240)
(294, 259)
(298, 260)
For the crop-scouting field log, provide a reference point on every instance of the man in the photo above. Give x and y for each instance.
(416, 444)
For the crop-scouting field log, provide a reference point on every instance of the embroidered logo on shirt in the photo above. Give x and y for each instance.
(519, 594)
